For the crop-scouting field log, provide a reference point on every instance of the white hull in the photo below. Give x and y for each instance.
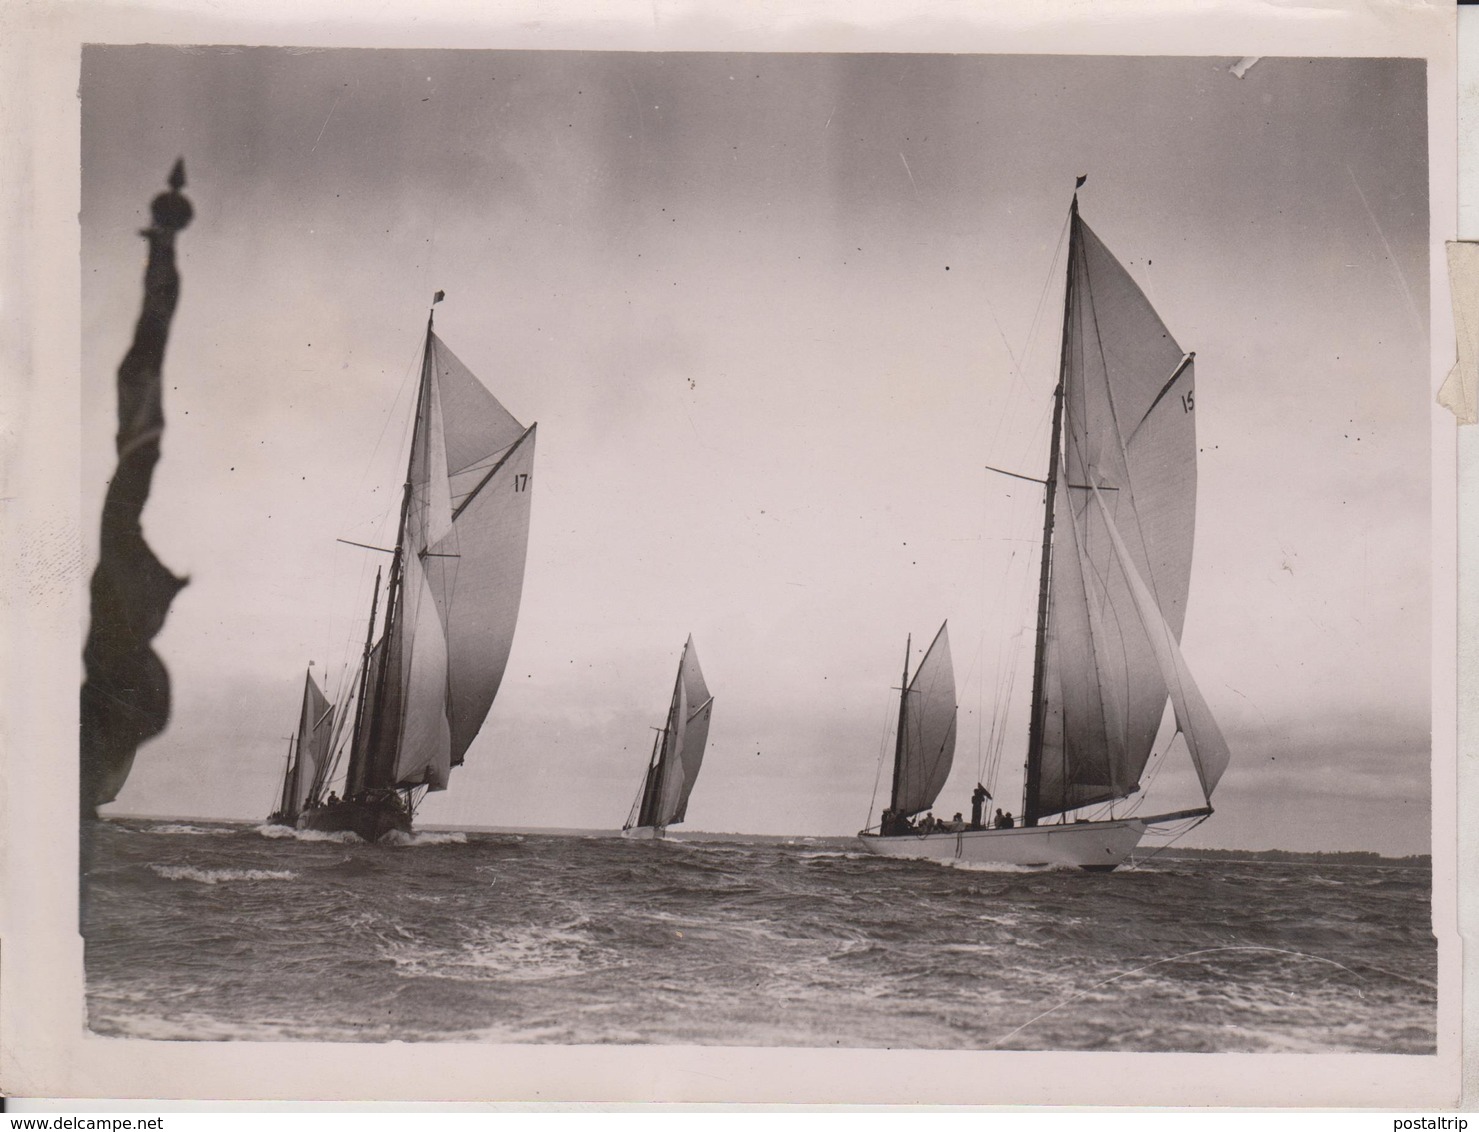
(1099, 845)
(642, 833)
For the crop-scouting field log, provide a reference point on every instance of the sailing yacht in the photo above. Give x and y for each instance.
(677, 754)
(427, 682)
(1119, 520)
(306, 751)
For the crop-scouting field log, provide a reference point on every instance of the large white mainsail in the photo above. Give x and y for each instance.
(680, 749)
(1128, 430)
(433, 676)
(925, 745)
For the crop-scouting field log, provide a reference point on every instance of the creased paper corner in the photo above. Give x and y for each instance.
(1460, 391)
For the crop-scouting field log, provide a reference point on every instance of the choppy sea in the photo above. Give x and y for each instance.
(206, 931)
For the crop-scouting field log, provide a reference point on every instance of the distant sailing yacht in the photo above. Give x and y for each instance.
(451, 603)
(306, 751)
(677, 753)
(1116, 565)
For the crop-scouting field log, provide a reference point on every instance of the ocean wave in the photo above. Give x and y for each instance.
(218, 876)
(288, 833)
(1002, 867)
(424, 837)
(843, 854)
(529, 954)
(176, 828)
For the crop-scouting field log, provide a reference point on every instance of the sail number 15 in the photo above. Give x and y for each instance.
(521, 479)
(1187, 401)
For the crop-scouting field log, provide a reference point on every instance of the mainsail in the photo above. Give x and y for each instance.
(1124, 434)
(679, 751)
(925, 746)
(456, 579)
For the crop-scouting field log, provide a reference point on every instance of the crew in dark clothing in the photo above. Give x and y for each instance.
(895, 825)
(978, 799)
(1003, 821)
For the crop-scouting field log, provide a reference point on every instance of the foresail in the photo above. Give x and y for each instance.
(1209, 753)
(424, 744)
(476, 576)
(422, 741)
(1129, 430)
(928, 747)
(315, 724)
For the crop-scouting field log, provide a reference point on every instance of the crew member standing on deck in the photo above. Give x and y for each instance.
(978, 799)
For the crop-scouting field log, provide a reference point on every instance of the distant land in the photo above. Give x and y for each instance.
(1345, 857)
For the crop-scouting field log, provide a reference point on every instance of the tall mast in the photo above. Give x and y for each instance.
(381, 776)
(354, 777)
(1031, 804)
(668, 729)
(893, 801)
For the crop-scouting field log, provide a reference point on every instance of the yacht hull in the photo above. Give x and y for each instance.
(642, 833)
(371, 820)
(1095, 845)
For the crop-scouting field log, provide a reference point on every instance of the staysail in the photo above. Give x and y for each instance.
(925, 746)
(455, 588)
(315, 725)
(1128, 433)
(1194, 719)
(680, 752)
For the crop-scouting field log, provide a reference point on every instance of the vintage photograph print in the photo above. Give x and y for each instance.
(864, 551)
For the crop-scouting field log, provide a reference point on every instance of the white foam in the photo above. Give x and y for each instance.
(529, 954)
(184, 829)
(218, 876)
(425, 837)
(1003, 867)
(279, 832)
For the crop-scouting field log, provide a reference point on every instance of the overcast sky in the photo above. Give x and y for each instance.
(774, 314)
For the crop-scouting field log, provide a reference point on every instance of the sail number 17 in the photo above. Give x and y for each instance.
(521, 479)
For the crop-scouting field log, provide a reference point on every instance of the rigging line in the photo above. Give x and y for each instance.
(1175, 836)
(882, 752)
(1172, 959)
(1157, 762)
(1031, 331)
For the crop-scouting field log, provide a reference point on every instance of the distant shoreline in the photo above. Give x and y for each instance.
(1342, 857)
